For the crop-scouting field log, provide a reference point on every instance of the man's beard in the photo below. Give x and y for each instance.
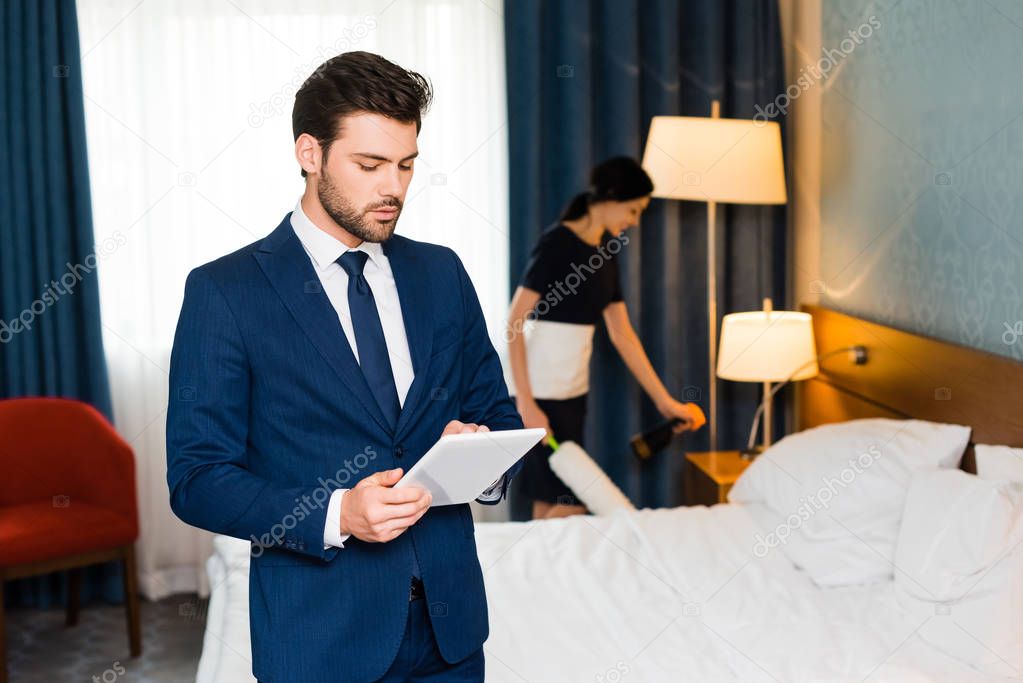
(356, 222)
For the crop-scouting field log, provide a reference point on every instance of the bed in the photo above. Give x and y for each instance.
(681, 594)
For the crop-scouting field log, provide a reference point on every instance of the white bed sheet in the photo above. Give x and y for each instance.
(654, 595)
(226, 648)
(679, 595)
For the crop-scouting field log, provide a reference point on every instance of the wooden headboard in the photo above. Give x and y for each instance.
(908, 375)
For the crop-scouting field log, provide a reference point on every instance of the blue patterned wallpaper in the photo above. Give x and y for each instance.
(922, 165)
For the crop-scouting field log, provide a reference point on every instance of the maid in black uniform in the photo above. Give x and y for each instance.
(570, 283)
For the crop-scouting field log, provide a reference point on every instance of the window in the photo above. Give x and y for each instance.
(188, 113)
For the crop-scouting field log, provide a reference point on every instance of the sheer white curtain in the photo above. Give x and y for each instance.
(188, 110)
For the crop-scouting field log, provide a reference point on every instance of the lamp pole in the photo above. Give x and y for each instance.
(768, 412)
(712, 305)
(699, 158)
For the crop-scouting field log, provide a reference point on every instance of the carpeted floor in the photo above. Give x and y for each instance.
(42, 650)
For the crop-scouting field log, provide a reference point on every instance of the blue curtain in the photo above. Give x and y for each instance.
(50, 335)
(584, 79)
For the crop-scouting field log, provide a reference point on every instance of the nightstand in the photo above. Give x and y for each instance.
(709, 476)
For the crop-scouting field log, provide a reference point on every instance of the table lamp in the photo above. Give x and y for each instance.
(735, 161)
(767, 346)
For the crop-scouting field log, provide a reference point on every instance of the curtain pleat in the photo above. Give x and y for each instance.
(51, 341)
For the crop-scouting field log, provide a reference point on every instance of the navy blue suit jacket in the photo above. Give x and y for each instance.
(269, 413)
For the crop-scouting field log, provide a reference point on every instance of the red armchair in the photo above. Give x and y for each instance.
(67, 500)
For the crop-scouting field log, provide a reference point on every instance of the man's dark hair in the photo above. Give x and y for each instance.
(357, 82)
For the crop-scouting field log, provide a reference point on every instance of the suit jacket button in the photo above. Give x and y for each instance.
(399, 451)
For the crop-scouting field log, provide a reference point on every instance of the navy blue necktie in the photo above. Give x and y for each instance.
(369, 339)
(369, 336)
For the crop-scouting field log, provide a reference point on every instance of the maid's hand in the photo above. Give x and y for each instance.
(689, 413)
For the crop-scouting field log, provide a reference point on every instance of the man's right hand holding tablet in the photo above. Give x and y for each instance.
(375, 512)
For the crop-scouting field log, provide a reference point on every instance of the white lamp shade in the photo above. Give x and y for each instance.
(762, 346)
(735, 161)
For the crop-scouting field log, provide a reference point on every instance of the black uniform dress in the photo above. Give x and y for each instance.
(576, 281)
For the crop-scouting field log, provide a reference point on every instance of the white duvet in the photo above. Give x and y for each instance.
(654, 595)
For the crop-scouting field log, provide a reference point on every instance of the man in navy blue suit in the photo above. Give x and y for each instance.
(309, 370)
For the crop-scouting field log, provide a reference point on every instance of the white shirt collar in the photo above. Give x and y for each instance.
(326, 249)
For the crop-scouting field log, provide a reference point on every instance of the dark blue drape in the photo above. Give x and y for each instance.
(584, 79)
(50, 334)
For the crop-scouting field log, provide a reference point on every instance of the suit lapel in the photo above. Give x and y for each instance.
(416, 296)
(291, 274)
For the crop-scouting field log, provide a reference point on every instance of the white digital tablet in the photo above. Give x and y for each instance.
(459, 467)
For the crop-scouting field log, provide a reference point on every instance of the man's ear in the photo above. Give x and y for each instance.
(308, 153)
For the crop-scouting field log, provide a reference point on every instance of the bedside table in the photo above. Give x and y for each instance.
(709, 476)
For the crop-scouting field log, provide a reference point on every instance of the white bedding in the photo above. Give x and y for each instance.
(654, 595)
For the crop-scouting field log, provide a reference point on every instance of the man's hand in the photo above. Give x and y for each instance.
(456, 427)
(377, 513)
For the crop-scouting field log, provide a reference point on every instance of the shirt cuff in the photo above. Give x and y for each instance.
(332, 537)
(494, 492)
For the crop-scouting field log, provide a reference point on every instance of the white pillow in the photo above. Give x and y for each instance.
(841, 489)
(960, 568)
(999, 462)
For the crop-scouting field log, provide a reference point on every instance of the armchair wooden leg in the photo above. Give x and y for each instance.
(131, 600)
(74, 593)
(3, 636)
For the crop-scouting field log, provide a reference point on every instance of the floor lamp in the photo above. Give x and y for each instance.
(715, 160)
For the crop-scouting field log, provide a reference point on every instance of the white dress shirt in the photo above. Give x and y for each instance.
(324, 251)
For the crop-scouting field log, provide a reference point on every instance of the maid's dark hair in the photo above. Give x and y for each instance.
(618, 179)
